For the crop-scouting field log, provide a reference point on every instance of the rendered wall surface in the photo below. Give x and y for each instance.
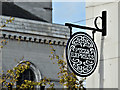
(36, 53)
(33, 46)
(119, 45)
(106, 73)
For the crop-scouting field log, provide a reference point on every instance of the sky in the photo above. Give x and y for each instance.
(69, 12)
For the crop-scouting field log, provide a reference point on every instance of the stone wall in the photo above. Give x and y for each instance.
(34, 45)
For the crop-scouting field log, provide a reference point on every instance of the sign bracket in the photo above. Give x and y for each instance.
(104, 25)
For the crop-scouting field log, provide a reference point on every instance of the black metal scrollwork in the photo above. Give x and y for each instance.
(81, 51)
(104, 25)
(82, 55)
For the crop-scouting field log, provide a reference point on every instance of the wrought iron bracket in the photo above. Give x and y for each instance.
(104, 25)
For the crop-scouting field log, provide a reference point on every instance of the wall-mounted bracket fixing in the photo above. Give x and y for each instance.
(104, 25)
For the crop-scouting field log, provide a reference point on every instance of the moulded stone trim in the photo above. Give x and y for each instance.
(35, 27)
(30, 38)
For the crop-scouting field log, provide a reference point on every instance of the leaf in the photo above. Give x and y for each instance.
(10, 20)
(1, 46)
(3, 26)
(51, 58)
(50, 43)
(13, 19)
(51, 46)
(57, 57)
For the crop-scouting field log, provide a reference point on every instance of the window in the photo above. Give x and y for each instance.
(26, 75)
(33, 74)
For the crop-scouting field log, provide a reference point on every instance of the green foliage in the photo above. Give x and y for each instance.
(4, 42)
(7, 21)
(66, 78)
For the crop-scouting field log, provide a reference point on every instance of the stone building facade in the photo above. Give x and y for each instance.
(34, 36)
(33, 46)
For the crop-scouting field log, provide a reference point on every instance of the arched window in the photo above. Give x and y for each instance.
(26, 75)
(33, 74)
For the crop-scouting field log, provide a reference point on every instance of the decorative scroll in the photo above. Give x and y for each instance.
(82, 55)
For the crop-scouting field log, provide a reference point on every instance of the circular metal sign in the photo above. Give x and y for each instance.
(82, 54)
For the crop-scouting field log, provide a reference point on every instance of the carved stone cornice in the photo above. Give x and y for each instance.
(29, 30)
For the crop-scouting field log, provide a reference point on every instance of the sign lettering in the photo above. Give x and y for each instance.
(82, 54)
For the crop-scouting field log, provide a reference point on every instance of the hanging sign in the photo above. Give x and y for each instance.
(82, 54)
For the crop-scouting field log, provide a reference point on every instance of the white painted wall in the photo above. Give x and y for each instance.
(106, 73)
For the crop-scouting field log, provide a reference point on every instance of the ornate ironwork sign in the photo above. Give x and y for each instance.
(82, 54)
(81, 50)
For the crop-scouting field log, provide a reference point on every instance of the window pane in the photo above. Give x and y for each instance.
(26, 75)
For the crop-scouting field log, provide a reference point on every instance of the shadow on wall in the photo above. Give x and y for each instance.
(101, 66)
